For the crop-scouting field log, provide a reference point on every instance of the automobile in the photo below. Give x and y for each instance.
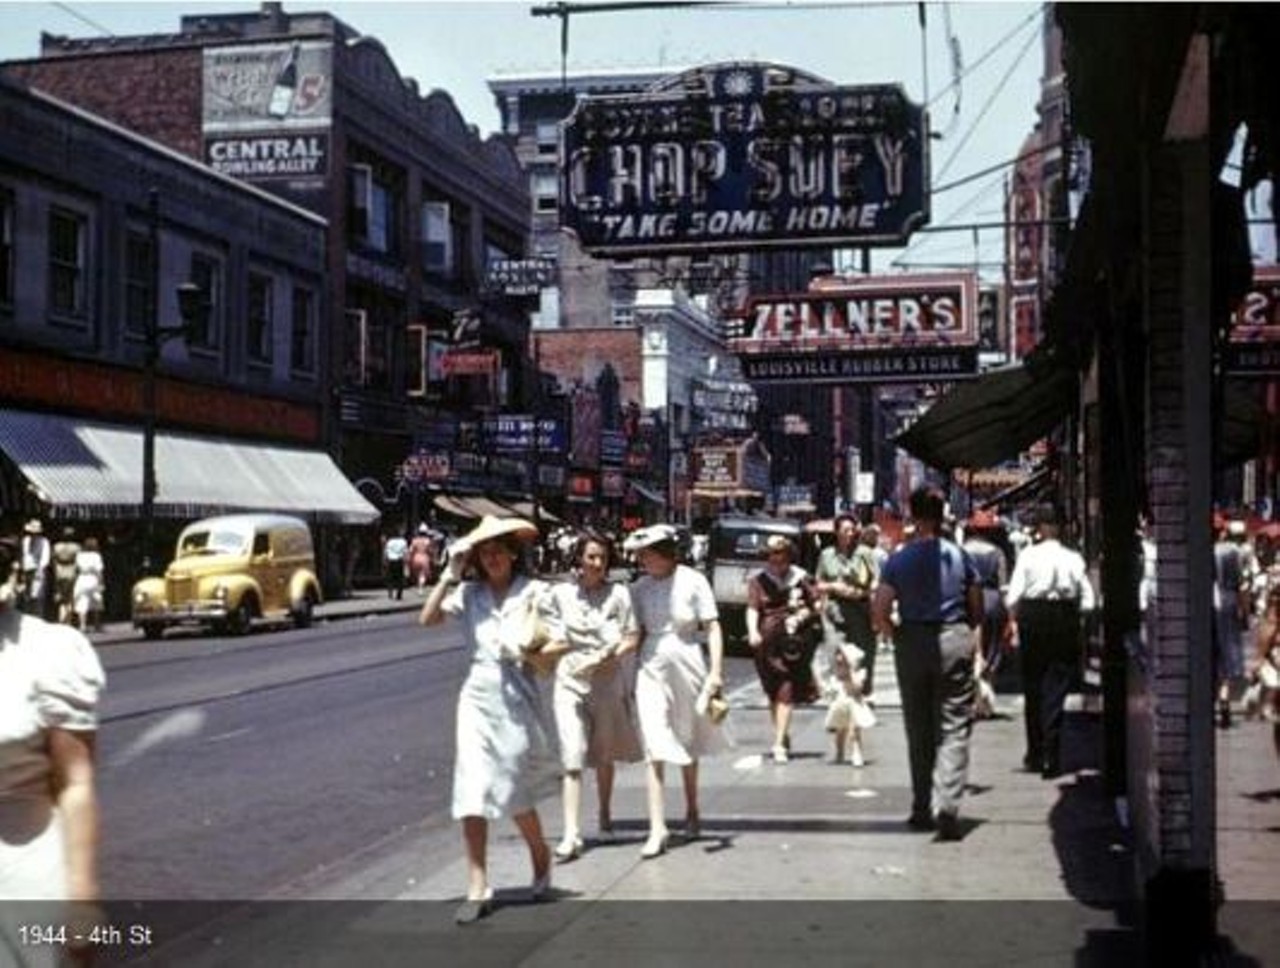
(736, 552)
(230, 570)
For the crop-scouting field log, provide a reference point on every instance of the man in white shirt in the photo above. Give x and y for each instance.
(1048, 592)
(36, 556)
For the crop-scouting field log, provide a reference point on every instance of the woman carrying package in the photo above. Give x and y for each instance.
(674, 606)
(504, 735)
(593, 633)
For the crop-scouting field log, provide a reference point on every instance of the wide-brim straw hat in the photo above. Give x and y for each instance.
(654, 534)
(491, 527)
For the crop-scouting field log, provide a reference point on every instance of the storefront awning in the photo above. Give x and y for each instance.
(87, 469)
(472, 506)
(648, 493)
(992, 418)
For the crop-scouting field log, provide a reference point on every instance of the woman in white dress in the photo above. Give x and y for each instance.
(504, 735)
(674, 605)
(87, 593)
(50, 680)
(594, 634)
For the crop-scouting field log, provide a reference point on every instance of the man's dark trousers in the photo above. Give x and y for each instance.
(1049, 633)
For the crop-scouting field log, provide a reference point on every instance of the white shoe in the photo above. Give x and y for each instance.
(856, 758)
(780, 754)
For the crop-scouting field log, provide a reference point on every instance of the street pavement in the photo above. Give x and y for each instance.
(821, 849)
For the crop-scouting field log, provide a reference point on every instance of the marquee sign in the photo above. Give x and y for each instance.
(744, 155)
(1253, 340)
(876, 329)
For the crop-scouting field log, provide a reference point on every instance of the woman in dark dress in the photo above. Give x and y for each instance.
(783, 629)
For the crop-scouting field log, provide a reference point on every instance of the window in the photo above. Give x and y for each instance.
(139, 283)
(545, 188)
(359, 200)
(206, 273)
(548, 138)
(437, 238)
(66, 263)
(355, 347)
(624, 314)
(382, 219)
(259, 333)
(302, 344)
(6, 247)
(416, 362)
(373, 210)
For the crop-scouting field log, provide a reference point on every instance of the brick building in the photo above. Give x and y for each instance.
(417, 204)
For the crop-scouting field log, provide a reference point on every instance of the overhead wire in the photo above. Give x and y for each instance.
(72, 12)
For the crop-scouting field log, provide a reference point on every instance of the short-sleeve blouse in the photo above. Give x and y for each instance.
(676, 605)
(495, 632)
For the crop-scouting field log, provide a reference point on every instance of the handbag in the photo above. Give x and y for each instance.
(712, 704)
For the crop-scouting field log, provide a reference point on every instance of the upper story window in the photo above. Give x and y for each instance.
(67, 258)
(206, 272)
(548, 138)
(302, 332)
(139, 283)
(437, 238)
(373, 210)
(545, 188)
(6, 247)
(624, 314)
(259, 332)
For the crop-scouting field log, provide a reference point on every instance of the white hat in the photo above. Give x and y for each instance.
(491, 527)
(647, 537)
(33, 526)
(1236, 529)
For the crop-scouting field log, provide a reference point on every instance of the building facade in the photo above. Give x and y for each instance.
(99, 229)
(417, 205)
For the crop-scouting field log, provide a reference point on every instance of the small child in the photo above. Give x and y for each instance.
(848, 715)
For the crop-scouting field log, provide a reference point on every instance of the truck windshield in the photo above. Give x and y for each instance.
(212, 543)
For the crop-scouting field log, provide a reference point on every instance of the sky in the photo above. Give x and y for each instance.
(457, 46)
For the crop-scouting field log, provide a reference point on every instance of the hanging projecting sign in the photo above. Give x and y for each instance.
(869, 329)
(1253, 339)
(743, 156)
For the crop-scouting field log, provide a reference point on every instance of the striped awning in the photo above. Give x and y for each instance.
(90, 469)
(472, 506)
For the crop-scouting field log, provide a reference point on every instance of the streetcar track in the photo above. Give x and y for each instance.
(268, 687)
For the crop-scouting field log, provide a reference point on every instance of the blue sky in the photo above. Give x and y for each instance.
(456, 47)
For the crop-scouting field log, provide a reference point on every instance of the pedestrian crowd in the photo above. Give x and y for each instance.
(589, 673)
(63, 580)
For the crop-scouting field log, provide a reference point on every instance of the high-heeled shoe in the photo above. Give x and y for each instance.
(654, 847)
(541, 885)
(568, 849)
(473, 909)
(692, 827)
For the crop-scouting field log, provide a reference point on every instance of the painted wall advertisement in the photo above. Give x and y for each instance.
(267, 110)
(742, 156)
(873, 329)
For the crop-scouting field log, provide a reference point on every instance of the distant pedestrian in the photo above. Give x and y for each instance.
(935, 585)
(784, 626)
(984, 535)
(675, 608)
(847, 574)
(1232, 586)
(395, 551)
(90, 581)
(1266, 664)
(50, 684)
(421, 559)
(504, 733)
(37, 554)
(848, 713)
(64, 575)
(1048, 593)
(594, 635)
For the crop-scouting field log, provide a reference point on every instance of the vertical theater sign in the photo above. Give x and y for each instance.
(744, 155)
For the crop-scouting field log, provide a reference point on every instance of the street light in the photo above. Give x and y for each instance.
(193, 306)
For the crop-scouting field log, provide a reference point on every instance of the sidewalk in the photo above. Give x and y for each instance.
(806, 863)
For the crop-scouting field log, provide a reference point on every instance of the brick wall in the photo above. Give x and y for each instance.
(155, 93)
(579, 356)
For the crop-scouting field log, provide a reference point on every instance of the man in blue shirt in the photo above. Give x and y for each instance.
(938, 592)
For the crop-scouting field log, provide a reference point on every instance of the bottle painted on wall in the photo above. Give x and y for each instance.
(285, 87)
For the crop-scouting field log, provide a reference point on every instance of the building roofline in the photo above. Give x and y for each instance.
(97, 121)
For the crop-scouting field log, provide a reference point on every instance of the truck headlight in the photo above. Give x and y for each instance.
(220, 592)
